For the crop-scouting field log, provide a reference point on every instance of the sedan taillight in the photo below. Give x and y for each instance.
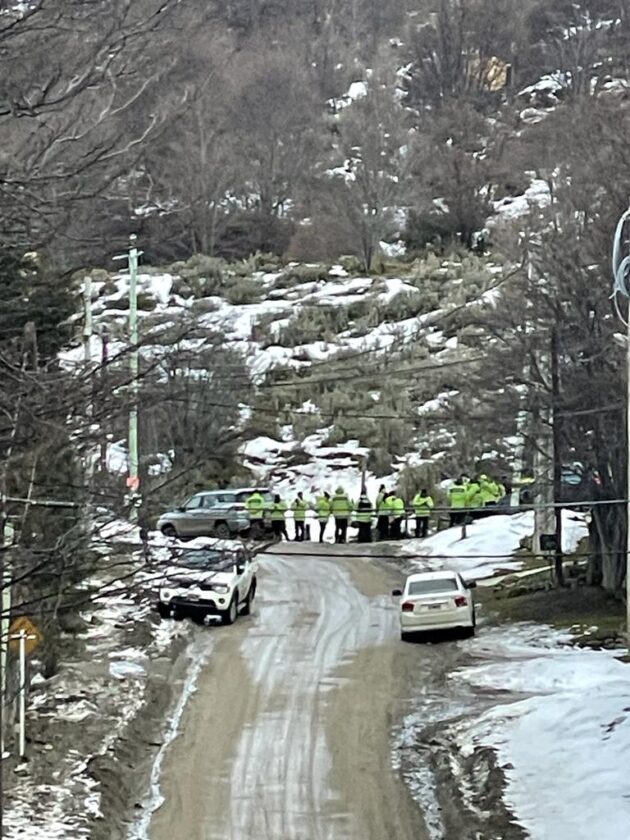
(460, 601)
(407, 606)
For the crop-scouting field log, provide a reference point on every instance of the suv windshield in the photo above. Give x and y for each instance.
(205, 558)
(427, 587)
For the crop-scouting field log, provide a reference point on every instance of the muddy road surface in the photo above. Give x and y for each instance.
(289, 734)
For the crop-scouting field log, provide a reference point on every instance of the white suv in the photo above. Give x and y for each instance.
(208, 581)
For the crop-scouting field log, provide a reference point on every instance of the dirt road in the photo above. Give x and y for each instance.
(288, 736)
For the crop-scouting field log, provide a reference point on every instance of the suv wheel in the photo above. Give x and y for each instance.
(247, 608)
(222, 531)
(169, 531)
(164, 610)
(231, 614)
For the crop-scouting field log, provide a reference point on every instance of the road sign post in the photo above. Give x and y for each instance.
(26, 636)
(22, 740)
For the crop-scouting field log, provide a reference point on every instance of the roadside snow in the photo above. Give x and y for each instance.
(489, 544)
(82, 711)
(564, 748)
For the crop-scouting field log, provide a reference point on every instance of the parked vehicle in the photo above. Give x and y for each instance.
(214, 513)
(206, 581)
(436, 601)
(577, 486)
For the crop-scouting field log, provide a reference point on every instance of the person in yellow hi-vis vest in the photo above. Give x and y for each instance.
(422, 506)
(457, 500)
(299, 508)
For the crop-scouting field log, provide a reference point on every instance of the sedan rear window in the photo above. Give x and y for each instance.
(427, 587)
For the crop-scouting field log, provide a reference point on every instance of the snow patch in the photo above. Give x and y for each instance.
(489, 544)
(576, 711)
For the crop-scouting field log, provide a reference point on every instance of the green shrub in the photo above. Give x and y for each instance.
(407, 305)
(203, 267)
(413, 479)
(351, 263)
(122, 304)
(262, 423)
(266, 262)
(379, 461)
(110, 287)
(181, 287)
(243, 268)
(243, 291)
(314, 323)
(146, 302)
(204, 305)
(306, 424)
(298, 274)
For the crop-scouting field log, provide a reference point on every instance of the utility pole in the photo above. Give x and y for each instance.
(104, 372)
(87, 358)
(133, 479)
(87, 321)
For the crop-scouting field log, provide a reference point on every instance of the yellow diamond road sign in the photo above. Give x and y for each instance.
(33, 634)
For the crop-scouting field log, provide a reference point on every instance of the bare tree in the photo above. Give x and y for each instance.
(367, 181)
(79, 97)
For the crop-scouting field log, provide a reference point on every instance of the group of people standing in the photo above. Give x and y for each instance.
(389, 508)
(470, 497)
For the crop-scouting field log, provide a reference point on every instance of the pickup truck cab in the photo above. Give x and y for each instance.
(206, 581)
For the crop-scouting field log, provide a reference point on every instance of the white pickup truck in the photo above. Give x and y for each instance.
(206, 581)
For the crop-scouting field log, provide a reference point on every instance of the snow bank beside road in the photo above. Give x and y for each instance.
(565, 748)
(489, 545)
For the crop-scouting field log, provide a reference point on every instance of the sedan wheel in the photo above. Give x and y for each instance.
(247, 608)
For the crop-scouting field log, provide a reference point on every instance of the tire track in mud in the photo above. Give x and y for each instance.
(288, 736)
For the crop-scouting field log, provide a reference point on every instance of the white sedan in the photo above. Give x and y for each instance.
(436, 601)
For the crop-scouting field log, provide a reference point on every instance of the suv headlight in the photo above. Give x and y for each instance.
(221, 587)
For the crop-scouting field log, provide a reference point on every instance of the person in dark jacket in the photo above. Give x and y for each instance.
(364, 518)
(383, 509)
(278, 522)
(299, 507)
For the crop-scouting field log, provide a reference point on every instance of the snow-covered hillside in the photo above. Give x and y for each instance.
(319, 343)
